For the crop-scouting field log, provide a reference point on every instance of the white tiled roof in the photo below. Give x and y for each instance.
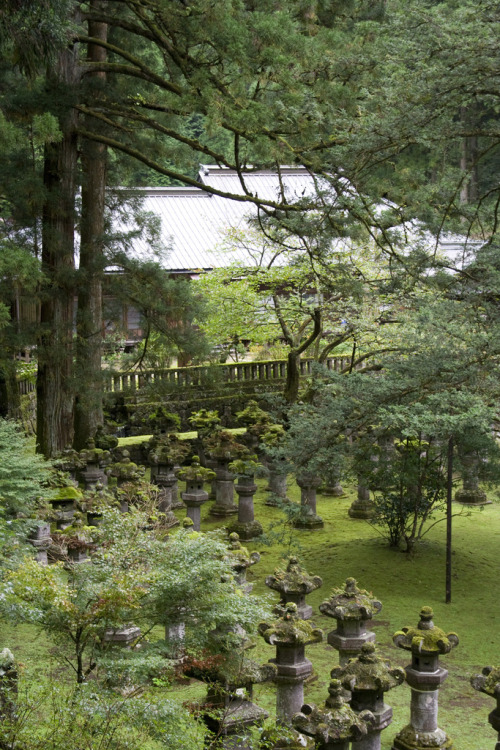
(195, 224)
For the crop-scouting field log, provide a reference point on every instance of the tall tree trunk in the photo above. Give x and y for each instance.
(55, 348)
(88, 403)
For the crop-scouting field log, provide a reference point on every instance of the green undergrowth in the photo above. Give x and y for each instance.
(351, 547)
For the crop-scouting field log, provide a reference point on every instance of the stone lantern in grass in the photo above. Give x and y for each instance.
(257, 422)
(489, 682)
(308, 518)
(167, 452)
(336, 725)
(70, 462)
(96, 459)
(351, 607)
(424, 675)
(224, 448)
(231, 711)
(127, 474)
(290, 635)
(63, 499)
(205, 422)
(8, 686)
(367, 678)
(241, 559)
(293, 585)
(277, 465)
(470, 493)
(195, 476)
(246, 525)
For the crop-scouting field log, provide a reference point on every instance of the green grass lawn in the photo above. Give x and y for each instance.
(348, 547)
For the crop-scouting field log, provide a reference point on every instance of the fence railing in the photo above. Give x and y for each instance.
(204, 374)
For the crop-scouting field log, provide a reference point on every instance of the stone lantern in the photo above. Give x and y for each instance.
(293, 585)
(367, 678)
(70, 461)
(165, 453)
(246, 525)
(489, 682)
(424, 675)
(352, 608)
(127, 474)
(470, 493)
(194, 496)
(223, 449)
(8, 685)
(63, 503)
(240, 560)
(308, 484)
(290, 635)
(95, 461)
(362, 506)
(41, 540)
(336, 725)
(229, 696)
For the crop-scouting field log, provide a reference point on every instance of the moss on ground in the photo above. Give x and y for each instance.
(351, 547)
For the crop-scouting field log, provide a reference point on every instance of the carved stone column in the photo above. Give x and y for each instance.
(293, 585)
(276, 487)
(362, 507)
(489, 682)
(308, 484)
(8, 685)
(336, 725)
(368, 677)
(41, 540)
(241, 560)
(195, 495)
(424, 675)
(290, 635)
(224, 490)
(246, 525)
(470, 493)
(351, 607)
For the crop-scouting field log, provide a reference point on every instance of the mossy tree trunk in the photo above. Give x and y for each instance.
(55, 344)
(88, 402)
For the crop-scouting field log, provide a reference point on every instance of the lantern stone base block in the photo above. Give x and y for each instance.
(221, 511)
(362, 509)
(123, 636)
(332, 490)
(472, 497)
(409, 739)
(247, 529)
(311, 521)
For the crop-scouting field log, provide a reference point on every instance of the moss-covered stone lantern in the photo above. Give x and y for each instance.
(368, 677)
(95, 461)
(194, 496)
(308, 519)
(223, 449)
(424, 676)
(336, 725)
(241, 559)
(352, 608)
(489, 682)
(294, 584)
(290, 635)
(246, 526)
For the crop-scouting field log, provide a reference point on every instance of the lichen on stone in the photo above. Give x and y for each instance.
(293, 580)
(369, 671)
(351, 603)
(426, 638)
(290, 629)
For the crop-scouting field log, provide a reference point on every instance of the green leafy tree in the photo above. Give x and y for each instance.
(128, 581)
